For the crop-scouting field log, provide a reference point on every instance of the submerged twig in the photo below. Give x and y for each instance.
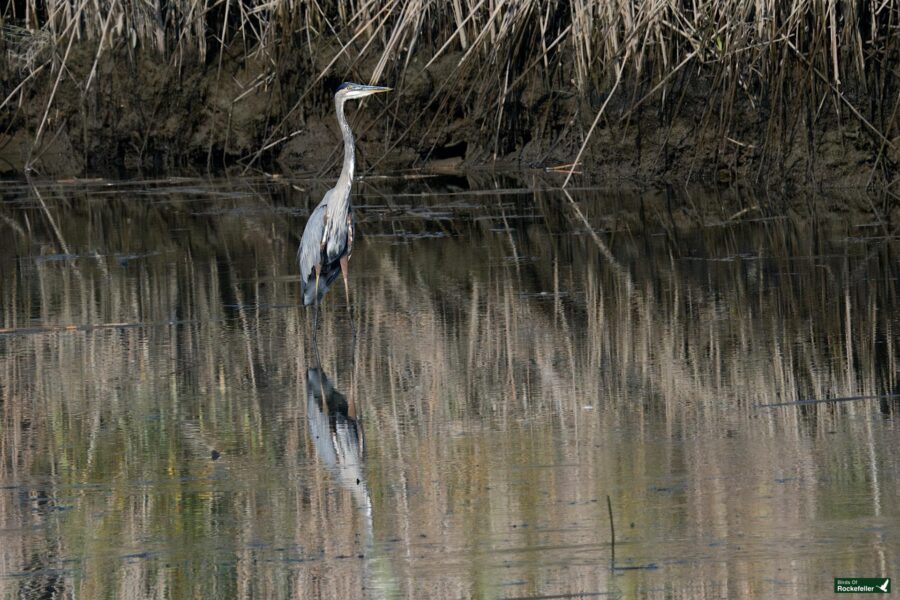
(612, 529)
(89, 327)
(826, 400)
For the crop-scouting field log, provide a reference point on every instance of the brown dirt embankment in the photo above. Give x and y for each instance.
(242, 111)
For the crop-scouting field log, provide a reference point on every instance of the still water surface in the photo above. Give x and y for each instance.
(519, 357)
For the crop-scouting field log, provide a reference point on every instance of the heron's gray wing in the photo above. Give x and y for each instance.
(310, 250)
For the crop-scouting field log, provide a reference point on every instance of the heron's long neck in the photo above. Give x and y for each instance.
(346, 177)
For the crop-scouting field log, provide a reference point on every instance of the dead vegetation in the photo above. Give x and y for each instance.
(716, 90)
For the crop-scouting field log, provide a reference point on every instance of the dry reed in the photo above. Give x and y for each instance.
(782, 65)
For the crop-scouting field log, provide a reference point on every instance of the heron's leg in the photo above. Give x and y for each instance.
(345, 269)
(323, 402)
(316, 310)
(318, 361)
(318, 272)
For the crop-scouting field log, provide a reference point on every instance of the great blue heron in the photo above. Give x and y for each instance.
(337, 434)
(328, 237)
(339, 442)
(336, 429)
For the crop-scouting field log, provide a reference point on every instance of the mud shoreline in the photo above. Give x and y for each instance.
(140, 116)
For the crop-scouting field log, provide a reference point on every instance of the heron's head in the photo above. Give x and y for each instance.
(351, 91)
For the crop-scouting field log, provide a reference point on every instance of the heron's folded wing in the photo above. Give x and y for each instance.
(309, 252)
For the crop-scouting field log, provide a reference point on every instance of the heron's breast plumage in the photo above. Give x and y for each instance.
(340, 238)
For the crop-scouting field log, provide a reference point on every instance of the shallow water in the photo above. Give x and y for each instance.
(519, 358)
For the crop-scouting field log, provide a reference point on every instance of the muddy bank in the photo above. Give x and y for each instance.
(241, 112)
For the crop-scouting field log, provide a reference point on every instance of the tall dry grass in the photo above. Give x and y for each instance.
(511, 66)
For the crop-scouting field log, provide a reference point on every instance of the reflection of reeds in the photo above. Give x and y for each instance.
(476, 357)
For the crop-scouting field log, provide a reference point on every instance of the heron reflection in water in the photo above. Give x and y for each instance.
(328, 236)
(338, 438)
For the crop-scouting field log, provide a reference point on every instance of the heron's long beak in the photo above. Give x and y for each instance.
(361, 91)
